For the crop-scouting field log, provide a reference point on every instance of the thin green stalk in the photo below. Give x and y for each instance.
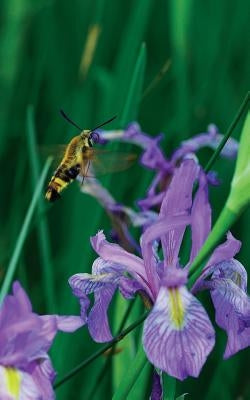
(169, 387)
(228, 133)
(24, 231)
(108, 346)
(130, 108)
(131, 376)
(43, 231)
(101, 374)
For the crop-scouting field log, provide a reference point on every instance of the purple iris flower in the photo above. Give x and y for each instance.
(177, 335)
(212, 139)
(154, 158)
(26, 371)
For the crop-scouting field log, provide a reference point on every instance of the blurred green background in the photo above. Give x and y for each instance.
(81, 56)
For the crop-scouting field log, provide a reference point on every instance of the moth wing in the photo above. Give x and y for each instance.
(106, 162)
(56, 151)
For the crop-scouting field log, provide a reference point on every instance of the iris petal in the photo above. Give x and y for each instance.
(232, 308)
(98, 320)
(201, 217)
(222, 253)
(178, 202)
(115, 254)
(178, 335)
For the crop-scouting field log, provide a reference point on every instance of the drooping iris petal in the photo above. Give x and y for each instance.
(228, 286)
(232, 307)
(201, 217)
(106, 278)
(228, 283)
(103, 285)
(177, 202)
(177, 334)
(98, 319)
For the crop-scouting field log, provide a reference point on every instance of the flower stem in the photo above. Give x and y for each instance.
(24, 231)
(105, 366)
(108, 346)
(169, 386)
(228, 133)
(223, 224)
(132, 375)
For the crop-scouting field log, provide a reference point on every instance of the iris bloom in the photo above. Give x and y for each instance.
(153, 157)
(26, 371)
(177, 335)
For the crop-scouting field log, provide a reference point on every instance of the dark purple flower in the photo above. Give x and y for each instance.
(26, 371)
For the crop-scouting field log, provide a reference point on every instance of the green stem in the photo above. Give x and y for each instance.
(169, 386)
(132, 375)
(43, 230)
(223, 224)
(108, 346)
(105, 366)
(228, 133)
(131, 105)
(24, 231)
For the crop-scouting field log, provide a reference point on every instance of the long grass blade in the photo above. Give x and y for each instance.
(132, 375)
(24, 231)
(43, 231)
(228, 133)
(130, 108)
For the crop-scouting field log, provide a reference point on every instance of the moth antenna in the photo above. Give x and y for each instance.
(70, 120)
(104, 123)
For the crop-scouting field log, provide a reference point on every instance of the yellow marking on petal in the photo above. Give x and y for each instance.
(13, 378)
(176, 308)
(97, 278)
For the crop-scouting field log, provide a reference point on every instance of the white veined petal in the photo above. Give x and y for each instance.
(178, 335)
